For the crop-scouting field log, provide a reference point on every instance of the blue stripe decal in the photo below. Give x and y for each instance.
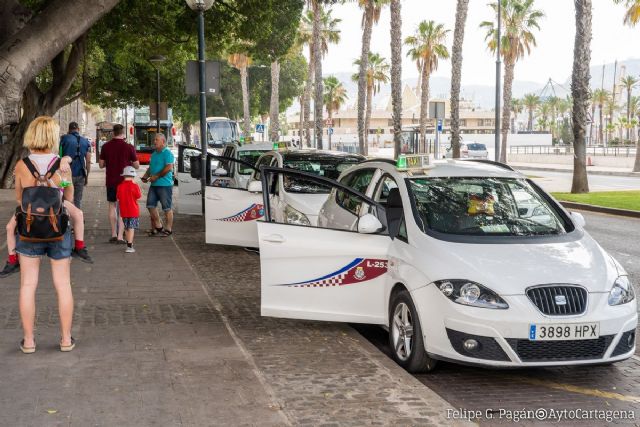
(335, 273)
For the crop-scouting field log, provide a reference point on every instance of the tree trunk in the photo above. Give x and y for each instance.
(301, 120)
(530, 123)
(362, 83)
(456, 74)
(367, 119)
(580, 91)
(186, 131)
(318, 99)
(396, 74)
(601, 129)
(424, 106)
(509, 67)
(330, 114)
(274, 116)
(24, 54)
(593, 118)
(629, 113)
(244, 77)
(307, 99)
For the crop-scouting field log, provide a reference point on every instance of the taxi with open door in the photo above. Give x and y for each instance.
(442, 256)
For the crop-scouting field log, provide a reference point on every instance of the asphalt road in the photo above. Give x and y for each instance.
(561, 181)
(598, 388)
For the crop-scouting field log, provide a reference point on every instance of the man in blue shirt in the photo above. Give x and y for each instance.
(79, 149)
(160, 175)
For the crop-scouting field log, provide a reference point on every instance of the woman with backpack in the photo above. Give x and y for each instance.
(41, 189)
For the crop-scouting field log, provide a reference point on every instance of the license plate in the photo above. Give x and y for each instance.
(564, 331)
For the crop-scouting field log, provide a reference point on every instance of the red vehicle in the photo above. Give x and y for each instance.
(143, 134)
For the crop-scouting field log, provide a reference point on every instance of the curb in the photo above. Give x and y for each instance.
(600, 209)
(589, 172)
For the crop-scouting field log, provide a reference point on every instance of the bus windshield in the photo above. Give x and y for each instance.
(221, 132)
(144, 137)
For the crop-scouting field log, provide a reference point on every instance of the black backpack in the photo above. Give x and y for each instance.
(41, 216)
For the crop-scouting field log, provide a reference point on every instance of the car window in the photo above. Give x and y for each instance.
(359, 181)
(484, 207)
(383, 188)
(249, 156)
(263, 161)
(477, 147)
(328, 166)
(226, 164)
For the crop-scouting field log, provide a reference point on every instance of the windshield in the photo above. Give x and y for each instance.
(326, 166)
(483, 207)
(477, 147)
(249, 156)
(221, 132)
(144, 137)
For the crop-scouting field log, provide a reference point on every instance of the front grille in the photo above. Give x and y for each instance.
(488, 347)
(556, 351)
(625, 345)
(548, 299)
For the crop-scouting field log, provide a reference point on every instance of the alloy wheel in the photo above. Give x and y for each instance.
(402, 331)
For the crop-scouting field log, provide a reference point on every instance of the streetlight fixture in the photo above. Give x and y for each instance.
(201, 6)
(156, 61)
(497, 121)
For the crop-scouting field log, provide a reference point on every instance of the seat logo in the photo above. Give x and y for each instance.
(560, 300)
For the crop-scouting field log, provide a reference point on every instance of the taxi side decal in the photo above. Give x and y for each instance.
(357, 271)
(252, 213)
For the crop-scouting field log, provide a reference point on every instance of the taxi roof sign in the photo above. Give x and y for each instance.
(414, 161)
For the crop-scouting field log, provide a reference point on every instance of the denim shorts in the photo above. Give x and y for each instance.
(54, 250)
(162, 194)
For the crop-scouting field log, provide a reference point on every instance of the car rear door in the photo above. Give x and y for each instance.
(322, 274)
(189, 189)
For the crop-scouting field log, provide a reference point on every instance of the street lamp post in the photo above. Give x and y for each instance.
(201, 6)
(497, 121)
(156, 61)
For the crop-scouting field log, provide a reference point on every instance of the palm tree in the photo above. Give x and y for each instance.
(462, 8)
(376, 74)
(553, 106)
(517, 107)
(335, 95)
(601, 97)
(580, 91)
(396, 74)
(427, 47)
(520, 18)
(370, 15)
(329, 34)
(531, 102)
(632, 17)
(241, 61)
(544, 110)
(612, 107)
(629, 82)
(634, 108)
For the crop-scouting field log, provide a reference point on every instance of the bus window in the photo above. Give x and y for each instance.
(221, 132)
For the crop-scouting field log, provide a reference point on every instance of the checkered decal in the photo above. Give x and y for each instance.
(357, 271)
(252, 213)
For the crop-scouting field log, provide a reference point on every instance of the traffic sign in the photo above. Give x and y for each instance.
(329, 122)
(439, 125)
(330, 131)
(259, 128)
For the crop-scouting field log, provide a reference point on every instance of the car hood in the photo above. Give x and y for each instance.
(511, 268)
(308, 204)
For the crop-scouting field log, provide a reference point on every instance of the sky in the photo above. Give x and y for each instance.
(552, 58)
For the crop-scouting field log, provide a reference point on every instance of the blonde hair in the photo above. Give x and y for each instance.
(42, 135)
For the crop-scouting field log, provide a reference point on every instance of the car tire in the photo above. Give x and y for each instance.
(405, 335)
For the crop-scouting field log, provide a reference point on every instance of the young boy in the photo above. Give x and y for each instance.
(127, 195)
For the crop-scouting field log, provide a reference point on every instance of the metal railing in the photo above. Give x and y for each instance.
(561, 150)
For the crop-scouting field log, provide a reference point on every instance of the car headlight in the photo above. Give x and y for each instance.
(622, 291)
(294, 216)
(470, 293)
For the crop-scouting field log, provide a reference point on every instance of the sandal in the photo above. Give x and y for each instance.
(154, 232)
(166, 233)
(27, 350)
(66, 348)
(113, 240)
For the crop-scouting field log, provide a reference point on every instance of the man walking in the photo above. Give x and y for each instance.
(160, 175)
(115, 155)
(79, 149)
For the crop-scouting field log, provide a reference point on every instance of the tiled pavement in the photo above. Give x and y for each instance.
(166, 341)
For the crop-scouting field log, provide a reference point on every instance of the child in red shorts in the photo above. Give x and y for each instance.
(127, 194)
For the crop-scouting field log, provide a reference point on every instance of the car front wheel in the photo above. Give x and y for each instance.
(405, 335)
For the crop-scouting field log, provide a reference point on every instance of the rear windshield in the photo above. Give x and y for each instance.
(249, 156)
(477, 147)
(484, 207)
(327, 166)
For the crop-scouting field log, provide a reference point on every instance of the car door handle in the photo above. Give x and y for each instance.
(274, 238)
(214, 198)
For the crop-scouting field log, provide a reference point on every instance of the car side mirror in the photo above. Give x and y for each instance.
(578, 219)
(369, 224)
(220, 172)
(196, 167)
(255, 187)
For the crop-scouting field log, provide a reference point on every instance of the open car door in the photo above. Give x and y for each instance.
(189, 189)
(231, 212)
(323, 274)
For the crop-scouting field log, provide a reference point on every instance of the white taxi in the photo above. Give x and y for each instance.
(441, 255)
(231, 211)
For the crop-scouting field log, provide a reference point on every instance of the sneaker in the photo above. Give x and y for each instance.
(9, 269)
(113, 240)
(129, 250)
(83, 254)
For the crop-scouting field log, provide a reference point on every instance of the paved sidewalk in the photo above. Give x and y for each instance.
(591, 170)
(172, 335)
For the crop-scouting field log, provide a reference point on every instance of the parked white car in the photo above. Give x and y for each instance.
(441, 255)
(470, 150)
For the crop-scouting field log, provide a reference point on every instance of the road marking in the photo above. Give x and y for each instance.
(580, 390)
